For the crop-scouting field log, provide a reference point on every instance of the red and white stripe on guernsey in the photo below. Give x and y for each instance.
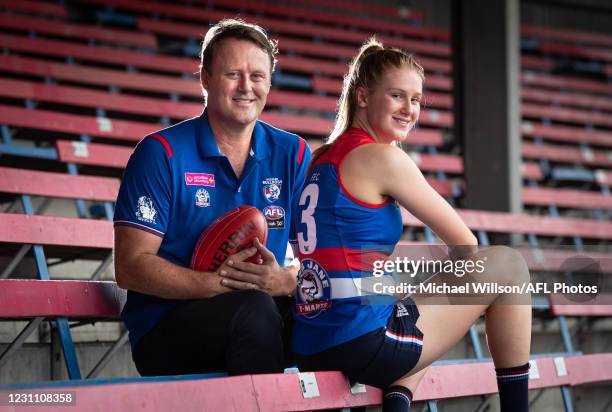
(404, 338)
(345, 259)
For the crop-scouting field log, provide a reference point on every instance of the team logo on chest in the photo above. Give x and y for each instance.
(272, 188)
(313, 289)
(202, 198)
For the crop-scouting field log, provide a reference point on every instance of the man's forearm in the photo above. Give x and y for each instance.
(154, 275)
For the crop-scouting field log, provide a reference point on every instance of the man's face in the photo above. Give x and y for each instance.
(238, 84)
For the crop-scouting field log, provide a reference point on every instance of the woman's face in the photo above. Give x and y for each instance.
(392, 108)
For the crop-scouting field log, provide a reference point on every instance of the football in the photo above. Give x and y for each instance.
(229, 234)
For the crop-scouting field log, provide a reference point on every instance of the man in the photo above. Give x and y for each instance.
(177, 182)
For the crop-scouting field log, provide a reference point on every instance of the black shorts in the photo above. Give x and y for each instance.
(377, 358)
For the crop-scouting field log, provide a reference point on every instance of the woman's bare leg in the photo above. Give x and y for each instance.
(508, 317)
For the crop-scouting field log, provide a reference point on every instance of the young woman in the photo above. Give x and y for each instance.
(349, 212)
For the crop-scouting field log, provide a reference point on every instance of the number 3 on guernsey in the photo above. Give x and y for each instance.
(309, 244)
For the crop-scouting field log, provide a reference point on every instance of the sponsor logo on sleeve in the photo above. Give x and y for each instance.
(145, 211)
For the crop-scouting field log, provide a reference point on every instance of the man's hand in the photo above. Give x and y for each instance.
(267, 276)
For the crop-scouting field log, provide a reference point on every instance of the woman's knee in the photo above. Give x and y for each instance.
(506, 266)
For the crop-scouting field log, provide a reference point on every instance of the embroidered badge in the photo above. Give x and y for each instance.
(202, 198)
(275, 216)
(313, 289)
(145, 211)
(272, 188)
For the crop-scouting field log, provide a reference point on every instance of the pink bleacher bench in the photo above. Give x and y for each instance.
(319, 15)
(590, 53)
(328, 49)
(87, 97)
(566, 154)
(332, 85)
(57, 231)
(94, 154)
(378, 10)
(567, 134)
(578, 199)
(76, 31)
(103, 54)
(591, 368)
(597, 305)
(163, 107)
(440, 162)
(36, 232)
(281, 392)
(76, 124)
(565, 83)
(35, 7)
(572, 36)
(565, 115)
(60, 185)
(501, 222)
(572, 99)
(537, 63)
(323, 30)
(162, 63)
(532, 171)
(100, 76)
(28, 298)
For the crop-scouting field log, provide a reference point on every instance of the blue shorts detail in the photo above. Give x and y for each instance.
(378, 358)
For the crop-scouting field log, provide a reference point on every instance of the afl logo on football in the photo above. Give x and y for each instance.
(275, 217)
(313, 289)
(202, 198)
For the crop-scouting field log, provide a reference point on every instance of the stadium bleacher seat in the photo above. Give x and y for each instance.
(283, 392)
(29, 230)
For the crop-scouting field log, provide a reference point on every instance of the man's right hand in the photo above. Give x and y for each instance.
(236, 279)
(138, 268)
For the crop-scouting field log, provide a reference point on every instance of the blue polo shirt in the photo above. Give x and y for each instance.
(177, 182)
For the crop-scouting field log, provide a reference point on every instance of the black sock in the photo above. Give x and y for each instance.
(397, 399)
(512, 384)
